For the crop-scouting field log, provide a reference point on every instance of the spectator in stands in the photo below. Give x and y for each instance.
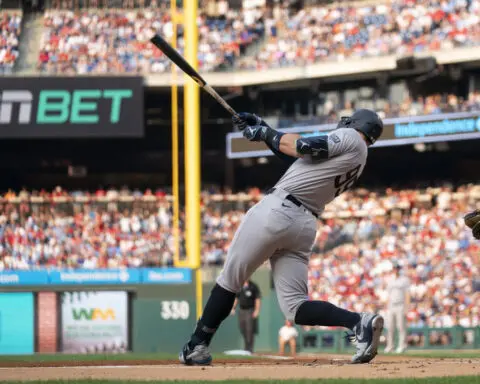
(294, 38)
(360, 233)
(336, 33)
(101, 41)
(10, 28)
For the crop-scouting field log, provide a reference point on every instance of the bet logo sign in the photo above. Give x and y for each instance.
(62, 106)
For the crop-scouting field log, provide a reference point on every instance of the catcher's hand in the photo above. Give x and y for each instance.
(472, 220)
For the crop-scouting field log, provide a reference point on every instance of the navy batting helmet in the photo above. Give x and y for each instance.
(365, 121)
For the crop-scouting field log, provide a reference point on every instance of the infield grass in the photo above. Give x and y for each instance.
(426, 380)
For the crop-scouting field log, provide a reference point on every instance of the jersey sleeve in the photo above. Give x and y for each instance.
(328, 145)
(338, 142)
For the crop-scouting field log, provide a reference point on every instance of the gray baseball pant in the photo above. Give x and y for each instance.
(274, 229)
(396, 318)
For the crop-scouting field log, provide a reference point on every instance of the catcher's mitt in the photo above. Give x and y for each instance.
(472, 220)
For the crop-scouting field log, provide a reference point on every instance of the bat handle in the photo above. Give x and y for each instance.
(219, 99)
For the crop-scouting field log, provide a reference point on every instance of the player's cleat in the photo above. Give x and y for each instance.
(198, 355)
(388, 350)
(366, 336)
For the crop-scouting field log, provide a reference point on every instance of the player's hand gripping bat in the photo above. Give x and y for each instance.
(173, 55)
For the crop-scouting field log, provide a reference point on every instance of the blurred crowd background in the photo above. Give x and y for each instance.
(360, 236)
(10, 28)
(109, 36)
(113, 39)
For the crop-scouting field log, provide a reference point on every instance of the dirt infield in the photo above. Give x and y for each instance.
(308, 368)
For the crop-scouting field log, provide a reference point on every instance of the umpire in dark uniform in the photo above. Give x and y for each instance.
(249, 302)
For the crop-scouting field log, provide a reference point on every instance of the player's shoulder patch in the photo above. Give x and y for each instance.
(333, 137)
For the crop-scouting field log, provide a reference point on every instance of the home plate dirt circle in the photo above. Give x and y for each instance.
(383, 366)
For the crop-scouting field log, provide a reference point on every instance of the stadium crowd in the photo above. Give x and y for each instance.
(10, 27)
(116, 40)
(337, 33)
(361, 235)
(113, 40)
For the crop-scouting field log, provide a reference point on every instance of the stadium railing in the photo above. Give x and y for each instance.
(334, 341)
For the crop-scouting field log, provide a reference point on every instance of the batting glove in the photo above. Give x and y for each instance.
(244, 120)
(255, 133)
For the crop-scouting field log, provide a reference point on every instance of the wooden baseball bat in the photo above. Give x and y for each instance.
(173, 55)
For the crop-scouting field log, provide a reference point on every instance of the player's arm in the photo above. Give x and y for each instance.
(282, 153)
(407, 294)
(407, 300)
(322, 146)
(234, 306)
(258, 306)
(258, 301)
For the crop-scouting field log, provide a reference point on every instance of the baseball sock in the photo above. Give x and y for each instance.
(325, 313)
(217, 309)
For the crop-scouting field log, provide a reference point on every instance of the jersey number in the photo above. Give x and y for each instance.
(346, 181)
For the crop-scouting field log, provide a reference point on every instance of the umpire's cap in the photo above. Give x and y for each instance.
(365, 121)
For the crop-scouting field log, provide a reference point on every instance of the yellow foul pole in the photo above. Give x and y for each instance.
(175, 178)
(192, 149)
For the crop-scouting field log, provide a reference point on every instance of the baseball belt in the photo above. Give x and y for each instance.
(294, 200)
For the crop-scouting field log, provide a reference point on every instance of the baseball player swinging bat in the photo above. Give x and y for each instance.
(173, 55)
(281, 229)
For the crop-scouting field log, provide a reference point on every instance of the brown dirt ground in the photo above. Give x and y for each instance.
(308, 368)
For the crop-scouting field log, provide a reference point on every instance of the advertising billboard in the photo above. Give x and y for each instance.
(94, 322)
(69, 107)
(397, 131)
(167, 276)
(47, 322)
(96, 277)
(16, 323)
(23, 278)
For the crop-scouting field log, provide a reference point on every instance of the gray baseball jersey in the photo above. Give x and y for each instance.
(397, 289)
(278, 230)
(317, 182)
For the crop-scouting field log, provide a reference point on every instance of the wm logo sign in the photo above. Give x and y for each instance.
(93, 314)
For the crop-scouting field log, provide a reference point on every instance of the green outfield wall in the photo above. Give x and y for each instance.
(161, 317)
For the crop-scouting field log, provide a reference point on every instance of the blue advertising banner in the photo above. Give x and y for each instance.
(396, 131)
(16, 323)
(23, 278)
(95, 276)
(166, 275)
